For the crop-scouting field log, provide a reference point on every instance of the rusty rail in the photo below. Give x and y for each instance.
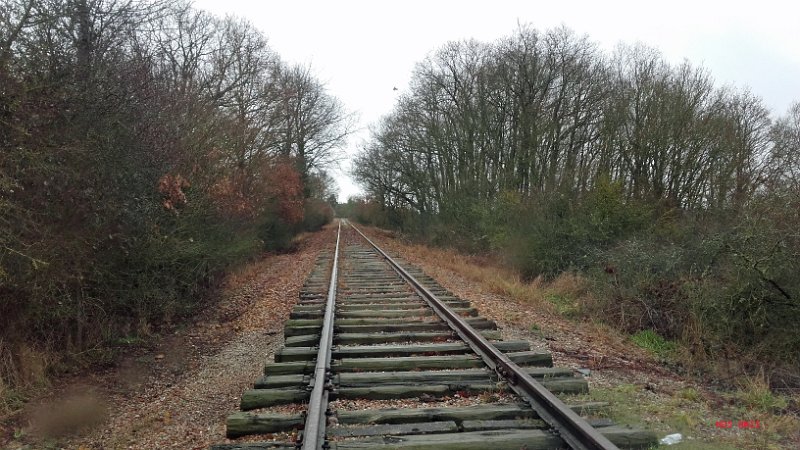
(313, 437)
(575, 431)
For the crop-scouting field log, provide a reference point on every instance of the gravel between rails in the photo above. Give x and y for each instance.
(457, 400)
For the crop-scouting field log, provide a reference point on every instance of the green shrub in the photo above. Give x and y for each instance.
(652, 341)
(566, 306)
(276, 234)
(553, 233)
(317, 214)
(639, 284)
(722, 286)
(748, 295)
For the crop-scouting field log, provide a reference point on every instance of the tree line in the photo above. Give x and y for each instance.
(549, 112)
(146, 148)
(674, 196)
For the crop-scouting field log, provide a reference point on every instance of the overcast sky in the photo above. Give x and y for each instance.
(363, 49)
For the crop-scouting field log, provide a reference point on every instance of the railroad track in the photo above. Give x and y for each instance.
(378, 355)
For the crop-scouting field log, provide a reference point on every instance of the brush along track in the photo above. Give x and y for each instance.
(400, 377)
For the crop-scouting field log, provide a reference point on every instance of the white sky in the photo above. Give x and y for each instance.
(363, 49)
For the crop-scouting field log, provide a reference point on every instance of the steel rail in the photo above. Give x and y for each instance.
(569, 426)
(313, 437)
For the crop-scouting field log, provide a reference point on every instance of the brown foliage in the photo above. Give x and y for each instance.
(102, 233)
(286, 188)
(230, 200)
(271, 187)
(172, 188)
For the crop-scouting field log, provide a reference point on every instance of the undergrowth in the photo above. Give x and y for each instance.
(692, 411)
(652, 341)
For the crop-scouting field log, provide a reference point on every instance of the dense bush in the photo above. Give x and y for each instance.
(144, 149)
(721, 289)
(550, 234)
(677, 199)
(317, 214)
(370, 213)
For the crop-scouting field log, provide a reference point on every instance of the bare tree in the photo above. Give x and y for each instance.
(784, 160)
(315, 125)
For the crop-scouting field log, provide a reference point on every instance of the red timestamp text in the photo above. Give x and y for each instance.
(743, 424)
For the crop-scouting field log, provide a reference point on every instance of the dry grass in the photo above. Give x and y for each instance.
(24, 368)
(652, 396)
(485, 271)
(565, 295)
(241, 275)
(570, 285)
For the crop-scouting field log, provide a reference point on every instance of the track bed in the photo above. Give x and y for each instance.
(399, 373)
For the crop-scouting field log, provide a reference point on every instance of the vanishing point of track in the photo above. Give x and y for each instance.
(368, 330)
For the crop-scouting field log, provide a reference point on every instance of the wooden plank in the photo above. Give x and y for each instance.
(304, 340)
(627, 437)
(385, 338)
(480, 324)
(458, 414)
(389, 392)
(389, 313)
(528, 424)
(395, 327)
(476, 440)
(367, 296)
(412, 376)
(375, 290)
(288, 368)
(307, 353)
(523, 424)
(255, 446)
(372, 306)
(382, 313)
(374, 321)
(407, 363)
(403, 304)
(501, 439)
(549, 372)
(391, 302)
(360, 379)
(242, 423)
(373, 313)
(263, 398)
(417, 376)
(393, 430)
(556, 385)
(281, 381)
(366, 280)
(532, 358)
(307, 340)
(566, 385)
(361, 295)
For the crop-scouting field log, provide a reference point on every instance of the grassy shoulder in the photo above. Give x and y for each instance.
(648, 380)
(747, 417)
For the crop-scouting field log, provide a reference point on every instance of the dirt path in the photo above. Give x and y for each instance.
(177, 394)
